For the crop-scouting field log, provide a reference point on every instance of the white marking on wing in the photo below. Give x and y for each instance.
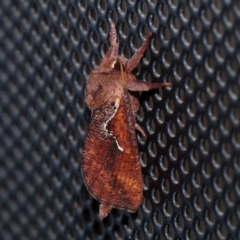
(121, 149)
(106, 123)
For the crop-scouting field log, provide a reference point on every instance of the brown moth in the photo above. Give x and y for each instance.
(111, 166)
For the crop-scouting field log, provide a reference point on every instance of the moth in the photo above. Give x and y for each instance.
(111, 166)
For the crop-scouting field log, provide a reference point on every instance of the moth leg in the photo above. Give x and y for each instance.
(104, 210)
(138, 85)
(140, 130)
(113, 35)
(113, 49)
(135, 59)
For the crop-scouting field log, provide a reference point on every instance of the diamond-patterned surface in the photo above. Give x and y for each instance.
(190, 160)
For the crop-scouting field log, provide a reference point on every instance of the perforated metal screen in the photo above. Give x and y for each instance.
(190, 160)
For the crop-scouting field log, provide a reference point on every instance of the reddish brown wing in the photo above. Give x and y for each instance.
(113, 176)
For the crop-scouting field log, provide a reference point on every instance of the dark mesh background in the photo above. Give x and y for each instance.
(190, 161)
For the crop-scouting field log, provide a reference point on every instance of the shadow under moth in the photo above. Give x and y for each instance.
(111, 166)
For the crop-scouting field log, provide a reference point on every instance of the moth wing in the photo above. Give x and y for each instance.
(111, 168)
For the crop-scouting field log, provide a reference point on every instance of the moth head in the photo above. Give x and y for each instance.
(116, 65)
(109, 63)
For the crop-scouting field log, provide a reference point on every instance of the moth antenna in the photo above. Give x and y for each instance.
(122, 74)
